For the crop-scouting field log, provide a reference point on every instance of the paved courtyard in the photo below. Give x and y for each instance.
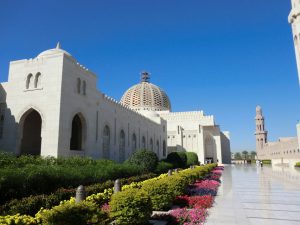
(251, 195)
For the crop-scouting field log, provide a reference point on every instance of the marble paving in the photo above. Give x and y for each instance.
(252, 195)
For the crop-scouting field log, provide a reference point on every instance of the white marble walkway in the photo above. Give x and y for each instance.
(250, 195)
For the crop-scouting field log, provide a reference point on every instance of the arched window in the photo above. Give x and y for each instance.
(106, 142)
(151, 144)
(29, 81)
(157, 147)
(122, 146)
(78, 85)
(143, 142)
(84, 87)
(76, 142)
(134, 145)
(1, 126)
(37, 80)
(164, 148)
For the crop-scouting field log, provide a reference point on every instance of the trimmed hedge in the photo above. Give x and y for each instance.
(297, 164)
(145, 159)
(131, 207)
(192, 158)
(266, 161)
(178, 159)
(32, 204)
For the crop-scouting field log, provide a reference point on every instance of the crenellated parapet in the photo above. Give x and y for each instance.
(189, 116)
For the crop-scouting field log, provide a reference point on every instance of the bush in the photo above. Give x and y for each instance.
(18, 220)
(29, 175)
(145, 159)
(73, 214)
(132, 206)
(192, 158)
(267, 161)
(160, 194)
(297, 164)
(32, 204)
(163, 167)
(178, 159)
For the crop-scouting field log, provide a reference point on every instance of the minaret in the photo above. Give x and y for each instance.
(294, 20)
(261, 134)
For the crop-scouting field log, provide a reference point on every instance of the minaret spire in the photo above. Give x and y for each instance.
(58, 45)
(294, 20)
(261, 134)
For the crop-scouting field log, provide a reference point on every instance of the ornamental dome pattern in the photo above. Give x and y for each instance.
(146, 96)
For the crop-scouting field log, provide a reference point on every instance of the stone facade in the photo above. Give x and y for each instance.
(50, 106)
(284, 151)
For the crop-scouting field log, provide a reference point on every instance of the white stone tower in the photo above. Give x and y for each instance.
(261, 134)
(294, 20)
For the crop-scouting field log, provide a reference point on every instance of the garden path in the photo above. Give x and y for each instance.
(253, 195)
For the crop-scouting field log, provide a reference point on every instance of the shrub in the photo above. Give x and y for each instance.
(297, 164)
(192, 158)
(267, 161)
(132, 206)
(32, 204)
(18, 220)
(145, 159)
(160, 194)
(163, 167)
(73, 214)
(178, 159)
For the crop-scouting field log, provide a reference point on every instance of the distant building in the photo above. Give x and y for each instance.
(284, 151)
(51, 106)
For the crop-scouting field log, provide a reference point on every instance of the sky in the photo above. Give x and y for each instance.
(223, 57)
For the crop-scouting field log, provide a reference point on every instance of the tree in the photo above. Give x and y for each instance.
(245, 155)
(237, 156)
(253, 154)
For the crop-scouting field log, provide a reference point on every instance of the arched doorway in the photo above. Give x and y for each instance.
(106, 142)
(210, 149)
(77, 135)
(122, 146)
(31, 133)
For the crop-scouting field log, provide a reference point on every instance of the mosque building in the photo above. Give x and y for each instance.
(50, 106)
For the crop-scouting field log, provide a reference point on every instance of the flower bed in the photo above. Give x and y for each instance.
(133, 205)
(193, 207)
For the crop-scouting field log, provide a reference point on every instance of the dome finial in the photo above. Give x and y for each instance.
(58, 45)
(145, 77)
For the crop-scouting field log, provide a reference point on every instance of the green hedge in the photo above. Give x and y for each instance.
(145, 159)
(297, 164)
(28, 175)
(131, 207)
(266, 161)
(192, 158)
(178, 159)
(32, 204)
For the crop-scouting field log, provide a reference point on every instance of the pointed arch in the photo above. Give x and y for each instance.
(78, 86)
(78, 132)
(106, 142)
(122, 146)
(210, 148)
(37, 80)
(143, 142)
(29, 81)
(133, 143)
(31, 132)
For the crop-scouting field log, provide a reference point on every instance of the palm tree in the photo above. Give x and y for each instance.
(245, 154)
(253, 154)
(237, 156)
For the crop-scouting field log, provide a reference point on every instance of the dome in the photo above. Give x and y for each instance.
(54, 51)
(146, 96)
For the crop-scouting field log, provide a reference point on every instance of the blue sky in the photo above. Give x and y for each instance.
(223, 57)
